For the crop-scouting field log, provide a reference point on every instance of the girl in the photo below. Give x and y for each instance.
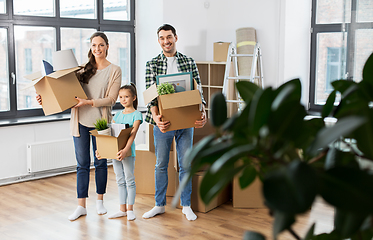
(124, 167)
(100, 80)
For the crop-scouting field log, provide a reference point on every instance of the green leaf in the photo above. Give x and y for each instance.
(342, 85)
(328, 107)
(213, 184)
(296, 91)
(218, 110)
(291, 189)
(248, 176)
(260, 109)
(247, 90)
(348, 223)
(282, 222)
(329, 134)
(249, 235)
(282, 96)
(233, 155)
(348, 189)
(368, 69)
(336, 158)
(309, 235)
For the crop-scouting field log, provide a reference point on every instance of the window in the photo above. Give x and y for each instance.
(32, 33)
(340, 44)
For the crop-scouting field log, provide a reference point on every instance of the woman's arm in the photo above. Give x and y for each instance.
(122, 153)
(111, 98)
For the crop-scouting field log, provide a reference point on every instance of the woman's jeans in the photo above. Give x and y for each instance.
(82, 149)
(125, 175)
(162, 143)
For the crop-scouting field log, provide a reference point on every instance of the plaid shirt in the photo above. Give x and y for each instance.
(158, 66)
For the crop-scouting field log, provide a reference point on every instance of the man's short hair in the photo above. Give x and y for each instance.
(167, 27)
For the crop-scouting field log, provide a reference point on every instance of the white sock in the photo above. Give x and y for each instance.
(130, 215)
(118, 215)
(100, 207)
(79, 211)
(154, 211)
(189, 214)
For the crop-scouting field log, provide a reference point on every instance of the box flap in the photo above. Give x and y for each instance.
(181, 99)
(150, 93)
(125, 131)
(62, 73)
(34, 76)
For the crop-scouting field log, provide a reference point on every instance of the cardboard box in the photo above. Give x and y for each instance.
(181, 109)
(221, 51)
(109, 146)
(58, 89)
(250, 197)
(144, 174)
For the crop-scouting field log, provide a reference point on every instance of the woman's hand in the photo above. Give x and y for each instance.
(97, 155)
(38, 99)
(82, 102)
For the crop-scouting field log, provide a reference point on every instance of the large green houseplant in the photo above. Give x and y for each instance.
(296, 159)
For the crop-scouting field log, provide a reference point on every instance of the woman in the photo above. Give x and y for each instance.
(101, 81)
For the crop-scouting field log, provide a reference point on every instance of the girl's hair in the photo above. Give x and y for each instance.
(132, 88)
(90, 68)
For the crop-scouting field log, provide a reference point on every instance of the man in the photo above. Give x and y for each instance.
(170, 61)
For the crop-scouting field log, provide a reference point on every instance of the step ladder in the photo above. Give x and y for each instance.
(256, 62)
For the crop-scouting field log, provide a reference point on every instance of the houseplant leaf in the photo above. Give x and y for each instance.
(218, 110)
(336, 158)
(309, 235)
(248, 176)
(249, 235)
(368, 69)
(328, 107)
(247, 90)
(348, 223)
(260, 109)
(282, 222)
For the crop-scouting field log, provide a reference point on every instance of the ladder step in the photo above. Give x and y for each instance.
(234, 101)
(242, 55)
(243, 77)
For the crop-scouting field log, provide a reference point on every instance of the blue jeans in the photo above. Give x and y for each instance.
(83, 158)
(125, 175)
(162, 143)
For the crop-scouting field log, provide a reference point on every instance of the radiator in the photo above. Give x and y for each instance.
(43, 156)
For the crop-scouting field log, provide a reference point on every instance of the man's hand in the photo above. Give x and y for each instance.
(161, 125)
(202, 122)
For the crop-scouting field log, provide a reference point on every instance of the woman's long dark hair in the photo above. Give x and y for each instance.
(132, 88)
(90, 68)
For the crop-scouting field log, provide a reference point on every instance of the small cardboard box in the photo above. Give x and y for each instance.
(221, 51)
(182, 109)
(144, 173)
(250, 197)
(58, 89)
(109, 146)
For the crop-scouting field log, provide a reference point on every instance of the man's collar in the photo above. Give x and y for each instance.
(164, 57)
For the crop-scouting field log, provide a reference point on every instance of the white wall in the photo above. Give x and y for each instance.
(282, 29)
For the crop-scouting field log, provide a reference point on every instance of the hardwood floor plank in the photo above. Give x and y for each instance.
(39, 210)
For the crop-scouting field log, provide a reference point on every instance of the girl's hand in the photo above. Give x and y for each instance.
(97, 155)
(82, 102)
(122, 154)
(38, 98)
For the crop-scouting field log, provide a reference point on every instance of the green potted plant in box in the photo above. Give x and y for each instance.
(165, 88)
(297, 159)
(102, 126)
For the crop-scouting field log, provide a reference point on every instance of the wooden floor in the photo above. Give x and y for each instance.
(39, 209)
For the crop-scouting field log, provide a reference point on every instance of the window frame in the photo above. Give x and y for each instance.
(9, 21)
(350, 29)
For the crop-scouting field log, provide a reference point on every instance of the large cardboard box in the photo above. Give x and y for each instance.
(182, 109)
(109, 146)
(221, 51)
(250, 197)
(144, 174)
(58, 89)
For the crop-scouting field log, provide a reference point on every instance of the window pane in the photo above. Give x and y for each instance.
(119, 53)
(363, 49)
(78, 9)
(116, 10)
(2, 6)
(30, 8)
(330, 63)
(4, 79)
(77, 39)
(33, 44)
(364, 11)
(333, 11)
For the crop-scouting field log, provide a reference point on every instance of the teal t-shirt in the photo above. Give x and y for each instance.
(129, 119)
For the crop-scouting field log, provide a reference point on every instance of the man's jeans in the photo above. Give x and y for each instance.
(82, 149)
(162, 143)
